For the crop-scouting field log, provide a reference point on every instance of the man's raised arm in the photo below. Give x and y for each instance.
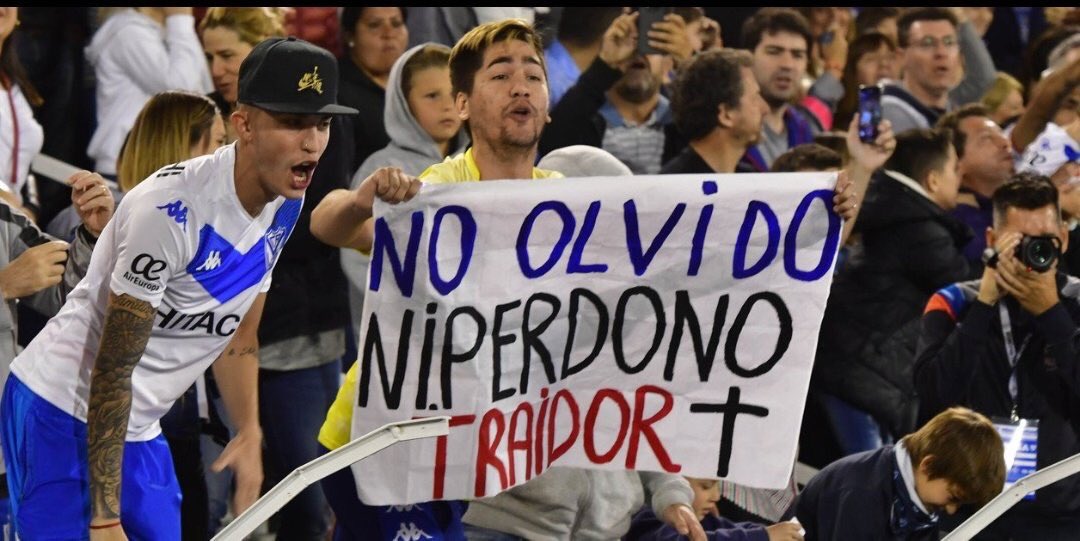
(340, 218)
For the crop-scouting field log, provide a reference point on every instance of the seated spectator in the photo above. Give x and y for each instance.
(646, 527)
(137, 53)
(899, 492)
(1004, 345)
(1004, 100)
(911, 246)
(616, 104)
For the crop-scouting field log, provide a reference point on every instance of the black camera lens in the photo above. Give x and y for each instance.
(1038, 253)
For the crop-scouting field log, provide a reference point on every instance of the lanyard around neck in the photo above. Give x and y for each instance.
(1012, 353)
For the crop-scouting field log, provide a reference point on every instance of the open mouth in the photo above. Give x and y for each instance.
(302, 174)
(520, 112)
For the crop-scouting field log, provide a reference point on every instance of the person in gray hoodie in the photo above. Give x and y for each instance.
(39, 270)
(424, 128)
(420, 117)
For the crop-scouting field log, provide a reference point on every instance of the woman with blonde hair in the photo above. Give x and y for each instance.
(173, 126)
(228, 36)
(1004, 99)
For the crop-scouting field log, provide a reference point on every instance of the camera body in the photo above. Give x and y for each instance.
(1037, 253)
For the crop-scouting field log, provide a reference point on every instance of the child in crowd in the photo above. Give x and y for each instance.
(647, 527)
(898, 491)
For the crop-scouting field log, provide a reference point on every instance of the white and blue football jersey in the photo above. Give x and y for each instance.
(181, 241)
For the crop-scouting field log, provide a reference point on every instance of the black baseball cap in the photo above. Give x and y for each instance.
(290, 75)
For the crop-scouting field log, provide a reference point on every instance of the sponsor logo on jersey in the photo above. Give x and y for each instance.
(211, 262)
(145, 272)
(177, 211)
(210, 323)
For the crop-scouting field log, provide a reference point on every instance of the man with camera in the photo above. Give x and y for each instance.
(1004, 345)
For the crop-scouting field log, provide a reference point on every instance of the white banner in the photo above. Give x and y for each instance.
(663, 323)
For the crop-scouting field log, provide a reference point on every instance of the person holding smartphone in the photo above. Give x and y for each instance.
(616, 104)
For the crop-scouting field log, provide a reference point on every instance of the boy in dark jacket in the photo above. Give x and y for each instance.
(897, 492)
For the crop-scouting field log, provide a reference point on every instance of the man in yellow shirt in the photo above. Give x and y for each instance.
(500, 86)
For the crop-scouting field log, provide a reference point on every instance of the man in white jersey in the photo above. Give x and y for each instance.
(177, 281)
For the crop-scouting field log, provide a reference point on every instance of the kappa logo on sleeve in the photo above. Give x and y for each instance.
(145, 272)
(177, 211)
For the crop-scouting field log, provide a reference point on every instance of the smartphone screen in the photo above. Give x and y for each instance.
(646, 17)
(869, 112)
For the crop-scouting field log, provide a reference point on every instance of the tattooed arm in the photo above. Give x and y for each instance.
(237, 374)
(128, 322)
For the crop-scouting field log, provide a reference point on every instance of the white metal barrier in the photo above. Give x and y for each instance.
(330, 463)
(991, 511)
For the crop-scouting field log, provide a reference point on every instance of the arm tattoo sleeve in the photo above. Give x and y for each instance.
(128, 322)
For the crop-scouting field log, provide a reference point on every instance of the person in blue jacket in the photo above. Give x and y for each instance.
(897, 492)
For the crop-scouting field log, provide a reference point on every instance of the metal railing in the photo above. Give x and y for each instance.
(991, 511)
(328, 464)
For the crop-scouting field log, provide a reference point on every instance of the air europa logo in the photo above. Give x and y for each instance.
(145, 272)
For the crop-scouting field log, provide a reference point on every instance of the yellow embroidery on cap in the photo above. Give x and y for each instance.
(310, 80)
